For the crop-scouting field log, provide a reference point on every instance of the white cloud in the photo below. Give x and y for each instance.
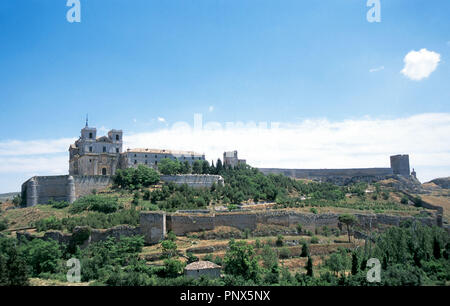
(211, 109)
(376, 69)
(35, 147)
(160, 119)
(420, 64)
(313, 143)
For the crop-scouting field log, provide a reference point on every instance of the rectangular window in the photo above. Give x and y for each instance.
(104, 149)
(117, 150)
(90, 149)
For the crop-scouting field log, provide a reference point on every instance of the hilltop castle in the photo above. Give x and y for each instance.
(90, 155)
(94, 160)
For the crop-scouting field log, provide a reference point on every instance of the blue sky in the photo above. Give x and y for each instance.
(129, 63)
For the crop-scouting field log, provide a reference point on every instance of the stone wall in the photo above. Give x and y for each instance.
(84, 185)
(180, 224)
(42, 189)
(193, 180)
(153, 226)
(183, 224)
(335, 176)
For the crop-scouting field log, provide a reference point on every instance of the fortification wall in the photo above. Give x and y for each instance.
(182, 224)
(42, 189)
(187, 223)
(240, 221)
(193, 180)
(323, 173)
(50, 188)
(84, 185)
(153, 226)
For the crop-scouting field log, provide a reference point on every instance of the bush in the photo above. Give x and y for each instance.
(169, 248)
(58, 205)
(299, 228)
(314, 240)
(97, 203)
(173, 267)
(404, 200)
(305, 250)
(313, 210)
(42, 256)
(3, 224)
(135, 178)
(284, 253)
(13, 268)
(50, 223)
(279, 241)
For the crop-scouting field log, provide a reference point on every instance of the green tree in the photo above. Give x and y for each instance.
(197, 167)
(355, 263)
(240, 260)
(349, 221)
(168, 166)
(169, 248)
(42, 256)
(309, 267)
(13, 268)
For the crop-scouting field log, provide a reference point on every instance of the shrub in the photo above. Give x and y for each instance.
(299, 228)
(305, 250)
(135, 178)
(17, 200)
(169, 248)
(313, 210)
(13, 268)
(191, 257)
(314, 240)
(173, 267)
(98, 203)
(3, 224)
(50, 223)
(404, 200)
(42, 256)
(279, 241)
(284, 252)
(58, 205)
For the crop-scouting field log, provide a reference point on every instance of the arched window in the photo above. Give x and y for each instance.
(104, 171)
(117, 137)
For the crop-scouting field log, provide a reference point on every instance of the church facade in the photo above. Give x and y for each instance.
(92, 155)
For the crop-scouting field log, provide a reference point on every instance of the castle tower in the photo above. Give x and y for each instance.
(70, 190)
(32, 196)
(400, 164)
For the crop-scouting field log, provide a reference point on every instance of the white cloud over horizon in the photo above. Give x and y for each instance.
(420, 64)
(312, 143)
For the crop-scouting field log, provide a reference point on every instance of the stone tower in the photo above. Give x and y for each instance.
(400, 164)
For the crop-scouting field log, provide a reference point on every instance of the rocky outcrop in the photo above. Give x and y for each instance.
(443, 182)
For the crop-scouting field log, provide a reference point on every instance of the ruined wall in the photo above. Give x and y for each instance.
(180, 224)
(183, 224)
(153, 226)
(240, 221)
(193, 180)
(337, 176)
